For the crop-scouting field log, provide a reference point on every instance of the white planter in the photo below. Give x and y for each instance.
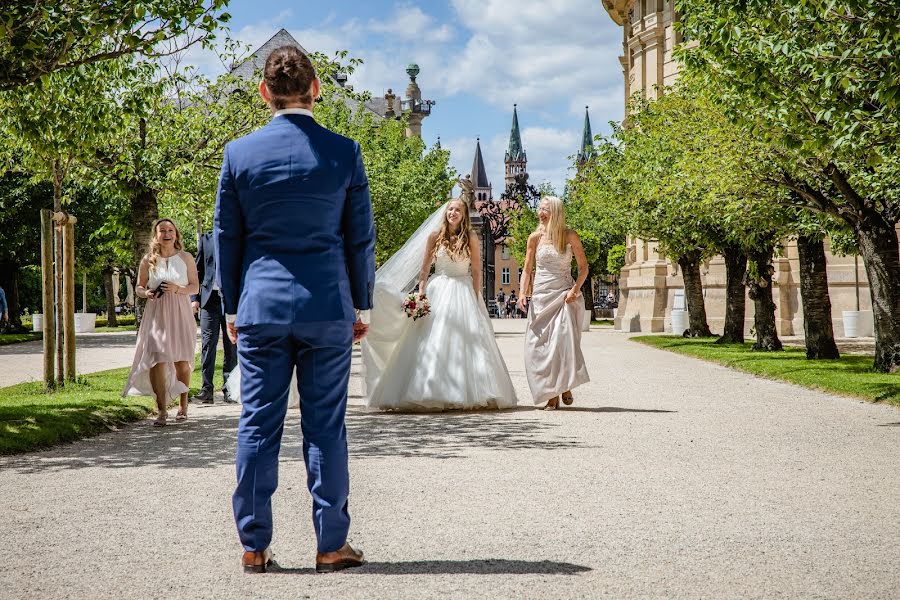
(680, 321)
(866, 323)
(85, 322)
(587, 320)
(852, 322)
(37, 322)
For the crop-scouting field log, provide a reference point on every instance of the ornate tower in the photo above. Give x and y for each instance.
(414, 106)
(483, 191)
(587, 141)
(483, 195)
(516, 163)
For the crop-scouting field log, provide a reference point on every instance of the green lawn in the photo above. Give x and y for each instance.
(31, 418)
(18, 338)
(849, 376)
(603, 322)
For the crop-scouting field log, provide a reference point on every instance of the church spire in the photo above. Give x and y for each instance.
(479, 174)
(515, 153)
(516, 163)
(587, 140)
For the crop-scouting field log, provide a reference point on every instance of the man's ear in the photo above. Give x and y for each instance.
(315, 89)
(264, 92)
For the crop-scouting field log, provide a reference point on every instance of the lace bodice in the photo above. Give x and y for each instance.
(550, 260)
(172, 269)
(445, 265)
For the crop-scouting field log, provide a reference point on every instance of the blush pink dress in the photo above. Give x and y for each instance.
(168, 332)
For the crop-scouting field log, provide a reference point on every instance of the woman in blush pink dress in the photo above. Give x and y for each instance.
(164, 357)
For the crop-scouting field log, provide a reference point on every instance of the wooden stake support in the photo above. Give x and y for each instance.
(47, 289)
(68, 303)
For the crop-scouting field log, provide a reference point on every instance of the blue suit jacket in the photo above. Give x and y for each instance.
(294, 232)
(206, 268)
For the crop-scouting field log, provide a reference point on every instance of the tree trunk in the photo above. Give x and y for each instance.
(761, 294)
(735, 296)
(110, 299)
(878, 247)
(693, 294)
(58, 275)
(587, 290)
(817, 326)
(144, 211)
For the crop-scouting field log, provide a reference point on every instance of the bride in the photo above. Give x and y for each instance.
(449, 358)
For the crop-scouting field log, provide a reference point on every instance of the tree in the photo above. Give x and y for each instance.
(20, 202)
(40, 37)
(818, 80)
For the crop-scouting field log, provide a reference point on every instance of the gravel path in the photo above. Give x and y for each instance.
(93, 352)
(669, 478)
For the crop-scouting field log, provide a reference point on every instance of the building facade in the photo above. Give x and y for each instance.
(651, 286)
(389, 106)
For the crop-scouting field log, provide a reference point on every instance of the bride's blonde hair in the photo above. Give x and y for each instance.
(155, 246)
(458, 248)
(555, 230)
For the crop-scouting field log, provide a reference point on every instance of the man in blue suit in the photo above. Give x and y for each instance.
(295, 241)
(208, 301)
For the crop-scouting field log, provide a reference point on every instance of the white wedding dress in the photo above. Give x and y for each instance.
(448, 359)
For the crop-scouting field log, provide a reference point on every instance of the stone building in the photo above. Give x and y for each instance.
(386, 107)
(651, 286)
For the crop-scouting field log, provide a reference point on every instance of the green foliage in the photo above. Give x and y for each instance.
(819, 82)
(38, 37)
(615, 259)
(521, 226)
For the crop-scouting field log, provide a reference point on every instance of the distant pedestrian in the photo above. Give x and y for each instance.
(164, 357)
(4, 307)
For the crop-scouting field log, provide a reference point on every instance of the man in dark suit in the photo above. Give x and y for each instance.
(295, 244)
(212, 320)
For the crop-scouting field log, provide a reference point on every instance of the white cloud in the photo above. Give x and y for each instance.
(411, 23)
(537, 53)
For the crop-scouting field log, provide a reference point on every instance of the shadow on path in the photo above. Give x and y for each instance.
(208, 440)
(492, 566)
(611, 409)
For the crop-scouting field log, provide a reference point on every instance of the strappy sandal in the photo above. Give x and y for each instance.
(568, 398)
(552, 403)
(181, 417)
(160, 421)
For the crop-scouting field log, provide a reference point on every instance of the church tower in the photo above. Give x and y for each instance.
(587, 141)
(479, 176)
(516, 163)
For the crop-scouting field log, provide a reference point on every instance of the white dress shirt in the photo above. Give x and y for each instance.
(361, 315)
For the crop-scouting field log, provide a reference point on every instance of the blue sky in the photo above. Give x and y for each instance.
(477, 58)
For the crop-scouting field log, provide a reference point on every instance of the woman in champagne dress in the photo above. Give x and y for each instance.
(164, 356)
(554, 363)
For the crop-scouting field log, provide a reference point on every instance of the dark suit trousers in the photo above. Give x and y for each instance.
(321, 354)
(212, 321)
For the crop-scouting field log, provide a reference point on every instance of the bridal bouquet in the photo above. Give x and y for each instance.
(416, 307)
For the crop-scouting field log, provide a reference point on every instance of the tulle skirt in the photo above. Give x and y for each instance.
(168, 334)
(448, 359)
(554, 362)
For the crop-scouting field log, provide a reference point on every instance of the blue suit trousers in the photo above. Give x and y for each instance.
(321, 354)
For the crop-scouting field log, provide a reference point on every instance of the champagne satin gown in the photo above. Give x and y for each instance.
(554, 362)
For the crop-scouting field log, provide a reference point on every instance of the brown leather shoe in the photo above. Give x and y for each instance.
(567, 398)
(257, 562)
(345, 558)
